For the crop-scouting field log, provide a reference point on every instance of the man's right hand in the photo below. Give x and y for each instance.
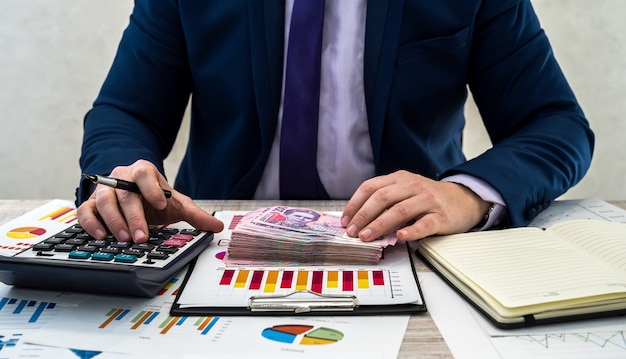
(127, 214)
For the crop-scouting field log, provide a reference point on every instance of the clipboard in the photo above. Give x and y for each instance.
(212, 288)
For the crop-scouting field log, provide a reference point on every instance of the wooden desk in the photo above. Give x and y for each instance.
(422, 338)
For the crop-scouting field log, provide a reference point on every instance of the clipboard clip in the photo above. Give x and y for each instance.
(302, 301)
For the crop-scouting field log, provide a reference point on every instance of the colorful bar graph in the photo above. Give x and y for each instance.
(114, 314)
(144, 317)
(206, 324)
(23, 307)
(318, 281)
(59, 213)
(147, 319)
(168, 324)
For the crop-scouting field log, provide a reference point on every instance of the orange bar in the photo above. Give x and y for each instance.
(363, 279)
(270, 283)
(242, 278)
(205, 322)
(301, 282)
(170, 324)
(56, 214)
(111, 318)
(143, 319)
(333, 279)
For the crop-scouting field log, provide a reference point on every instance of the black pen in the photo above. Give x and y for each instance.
(119, 183)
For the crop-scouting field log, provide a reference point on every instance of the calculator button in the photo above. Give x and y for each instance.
(79, 255)
(182, 237)
(175, 242)
(99, 256)
(193, 232)
(97, 243)
(146, 247)
(75, 241)
(110, 250)
(155, 240)
(120, 244)
(157, 255)
(167, 249)
(43, 246)
(134, 252)
(64, 235)
(125, 258)
(54, 240)
(87, 248)
(74, 229)
(84, 235)
(63, 247)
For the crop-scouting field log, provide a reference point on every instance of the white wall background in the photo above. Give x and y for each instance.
(54, 56)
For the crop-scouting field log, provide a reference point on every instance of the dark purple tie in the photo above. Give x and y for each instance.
(298, 141)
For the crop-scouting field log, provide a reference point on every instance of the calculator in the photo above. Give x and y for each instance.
(72, 260)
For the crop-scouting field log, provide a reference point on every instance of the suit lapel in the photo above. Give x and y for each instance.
(382, 29)
(267, 20)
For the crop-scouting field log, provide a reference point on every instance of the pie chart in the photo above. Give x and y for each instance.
(302, 334)
(25, 232)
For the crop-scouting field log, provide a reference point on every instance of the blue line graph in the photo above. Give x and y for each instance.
(615, 340)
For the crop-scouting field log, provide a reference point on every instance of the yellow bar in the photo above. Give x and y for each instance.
(363, 279)
(242, 278)
(270, 283)
(333, 279)
(303, 278)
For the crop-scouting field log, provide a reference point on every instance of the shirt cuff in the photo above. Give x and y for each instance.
(485, 191)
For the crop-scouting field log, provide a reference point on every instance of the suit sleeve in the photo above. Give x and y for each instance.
(542, 142)
(140, 106)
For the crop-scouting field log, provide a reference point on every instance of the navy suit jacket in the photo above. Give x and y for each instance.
(421, 56)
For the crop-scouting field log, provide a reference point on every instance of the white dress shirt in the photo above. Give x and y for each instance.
(344, 151)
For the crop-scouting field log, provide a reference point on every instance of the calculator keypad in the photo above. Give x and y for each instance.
(75, 244)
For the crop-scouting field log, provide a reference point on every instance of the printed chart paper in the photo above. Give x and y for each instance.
(212, 283)
(35, 226)
(143, 327)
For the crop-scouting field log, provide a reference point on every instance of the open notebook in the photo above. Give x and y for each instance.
(526, 276)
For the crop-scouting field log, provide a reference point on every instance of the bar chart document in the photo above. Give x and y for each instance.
(213, 288)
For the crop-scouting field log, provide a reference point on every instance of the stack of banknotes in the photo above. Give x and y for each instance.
(283, 235)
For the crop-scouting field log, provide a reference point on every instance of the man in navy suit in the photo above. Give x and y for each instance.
(395, 76)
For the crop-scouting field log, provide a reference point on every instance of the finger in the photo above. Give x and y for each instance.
(88, 218)
(136, 226)
(396, 216)
(151, 184)
(423, 227)
(107, 206)
(200, 218)
(360, 197)
(374, 219)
